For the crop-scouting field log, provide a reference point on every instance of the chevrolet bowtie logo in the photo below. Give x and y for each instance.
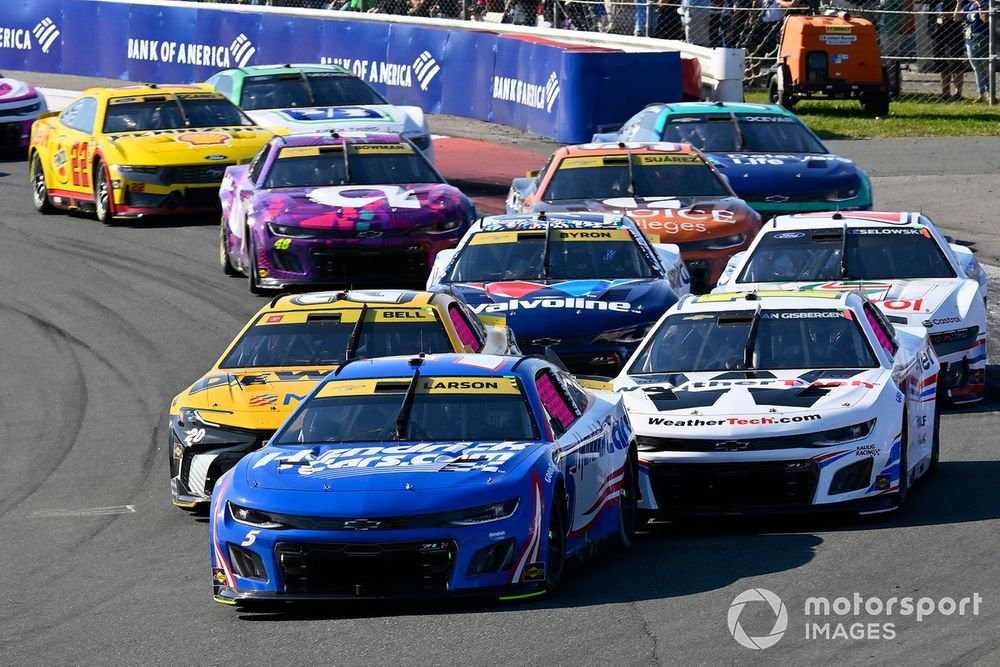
(361, 524)
(731, 446)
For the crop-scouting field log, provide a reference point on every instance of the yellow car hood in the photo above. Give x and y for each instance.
(227, 144)
(258, 399)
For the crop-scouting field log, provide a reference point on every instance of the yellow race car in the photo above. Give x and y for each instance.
(283, 352)
(139, 150)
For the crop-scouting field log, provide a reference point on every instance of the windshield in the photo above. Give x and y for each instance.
(870, 253)
(322, 339)
(315, 89)
(762, 133)
(650, 175)
(443, 409)
(572, 255)
(783, 339)
(166, 112)
(364, 164)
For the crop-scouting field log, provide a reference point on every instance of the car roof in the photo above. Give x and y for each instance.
(621, 148)
(557, 220)
(150, 89)
(265, 70)
(725, 108)
(847, 219)
(468, 365)
(336, 138)
(771, 300)
(387, 298)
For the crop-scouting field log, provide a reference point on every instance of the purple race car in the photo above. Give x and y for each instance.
(348, 210)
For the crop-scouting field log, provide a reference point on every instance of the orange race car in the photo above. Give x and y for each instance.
(670, 190)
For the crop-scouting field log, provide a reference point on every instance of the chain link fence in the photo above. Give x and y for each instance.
(934, 51)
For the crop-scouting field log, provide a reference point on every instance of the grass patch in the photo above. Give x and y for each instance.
(916, 116)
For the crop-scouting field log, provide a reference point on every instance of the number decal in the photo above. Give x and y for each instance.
(79, 165)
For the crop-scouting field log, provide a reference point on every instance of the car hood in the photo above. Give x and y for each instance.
(757, 175)
(361, 118)
(166, 147)
(363, 207)
(907, 298)
(569, 308)
(672, 219)
(258, 399)
(386, 466)
(779, 402)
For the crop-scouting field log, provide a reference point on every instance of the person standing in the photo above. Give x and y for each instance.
(950, 60)
(976, 14)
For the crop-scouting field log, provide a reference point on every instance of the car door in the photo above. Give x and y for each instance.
(71, 148)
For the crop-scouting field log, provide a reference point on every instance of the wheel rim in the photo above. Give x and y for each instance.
(101, 201)
(222, 244)
(38, 178)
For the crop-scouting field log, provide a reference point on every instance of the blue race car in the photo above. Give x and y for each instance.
(423, 476)
(587, 285)
(772, 160)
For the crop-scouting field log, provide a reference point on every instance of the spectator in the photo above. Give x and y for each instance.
(668, 21)
(641, 9)
(696, 14)
(949, 50)
(977, 41)
(892, 26)
(521, 12)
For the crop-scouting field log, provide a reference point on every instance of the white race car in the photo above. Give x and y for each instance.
(780, 401)
(901, 261)
(20, 105)
(301, 99)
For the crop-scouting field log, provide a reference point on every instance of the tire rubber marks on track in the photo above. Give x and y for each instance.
(83, 512)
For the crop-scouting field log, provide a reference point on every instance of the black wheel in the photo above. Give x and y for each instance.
(255, 288)
(935, 440)
(556, 562)
(904, 478)
(102, 194)
(628, 500)
(39, 190)
(227, 266)
(876, 105)
(777, 92)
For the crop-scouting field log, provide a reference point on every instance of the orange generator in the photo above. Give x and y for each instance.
(830, 57)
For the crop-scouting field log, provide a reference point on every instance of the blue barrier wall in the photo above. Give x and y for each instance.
(539, 86)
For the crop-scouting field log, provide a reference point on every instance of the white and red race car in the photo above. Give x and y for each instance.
(917, 276)
(778, 402)
(20, 105)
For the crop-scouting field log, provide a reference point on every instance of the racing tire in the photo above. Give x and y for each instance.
(777, 93)
(935, 441)
(556, 548)
(628, 502)
(227, 266)
(252, 284)
(102, 194)
(904, 477)
(39, 189)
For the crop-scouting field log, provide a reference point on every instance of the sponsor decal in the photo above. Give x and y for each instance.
(433, 457)
(867, 450)
(420, 73)
(535, 571)
(273, 318)
(880, 231)
(839, 40)
(205, 139)
(790, 235)
(218, 576)
(802, 315)
(554, 302)
(526, 93)
(425, 385)
(238, 53)
(733, 421)
(946, 320)
(332, 113)
(263, 400)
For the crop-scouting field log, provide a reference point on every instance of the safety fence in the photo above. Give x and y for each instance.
(935, 51)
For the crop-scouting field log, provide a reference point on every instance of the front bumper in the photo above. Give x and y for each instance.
(861, 477)
(389, 260)
(166, 189)
(295, 564)
(196, 466)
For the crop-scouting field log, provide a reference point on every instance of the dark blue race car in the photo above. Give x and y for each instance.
(587, 285)
(420, 476)
(772, 160)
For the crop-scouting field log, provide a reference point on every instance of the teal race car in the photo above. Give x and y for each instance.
(771, 158)
(295, 99)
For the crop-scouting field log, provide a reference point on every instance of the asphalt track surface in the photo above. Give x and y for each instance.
(101, 326)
